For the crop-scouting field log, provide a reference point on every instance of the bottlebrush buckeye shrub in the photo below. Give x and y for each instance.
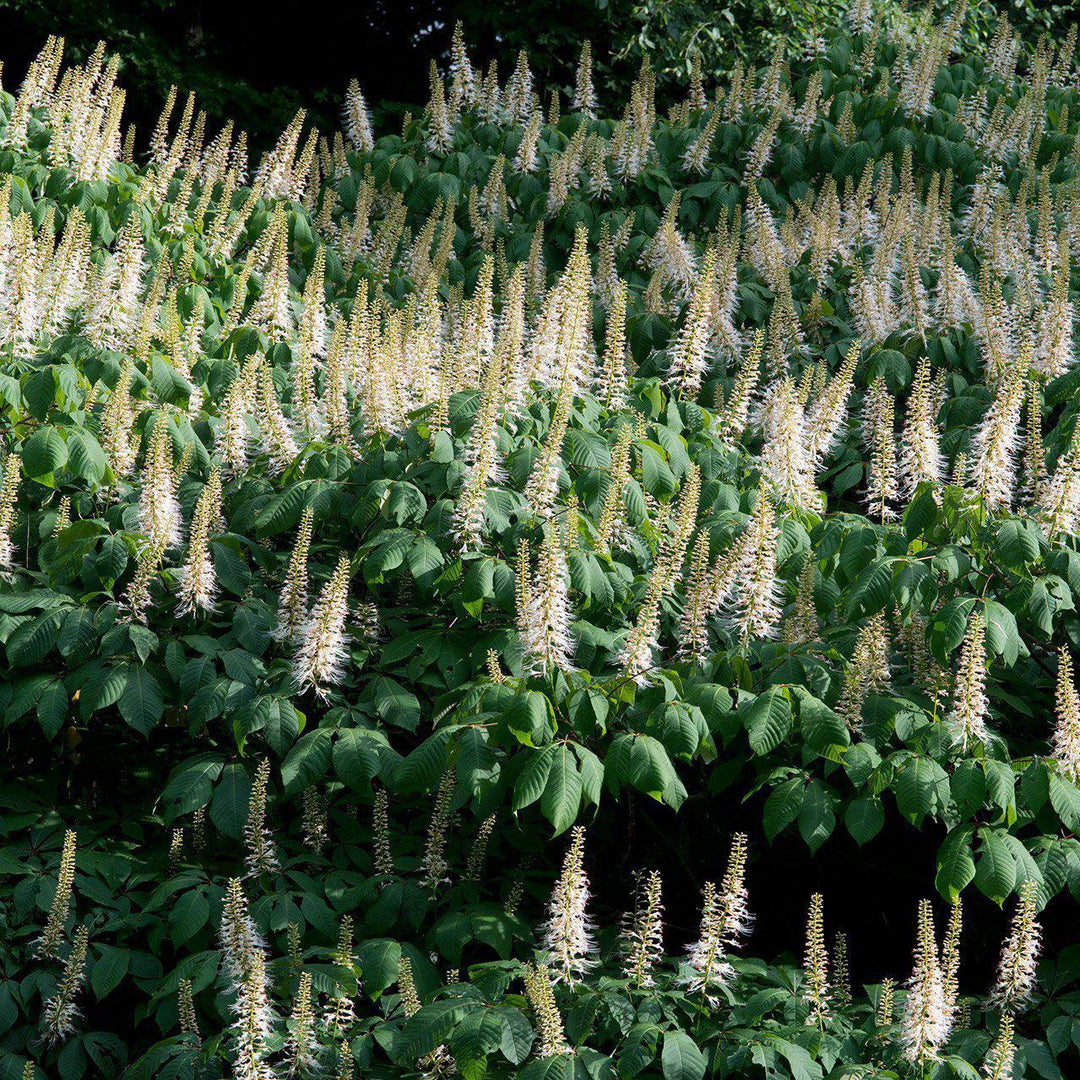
(388, 498)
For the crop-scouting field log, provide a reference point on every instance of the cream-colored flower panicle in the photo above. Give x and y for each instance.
(1065, 743)
(690, 359)
(735, 918)
(185, 1009)
(868, 672)
(293, 596)
(61, 1012)
(995, 443)
(47, 946)
(816, 965)
(244, 963)
(882, 485)
(10, 469)
(382, 853)
(1058, 502)
(999, 1059)
(438, 1062)
(567, 934)
(197, 576)
(302, 1045)
(481, 460)
(549, 1023)
(786, 463)
(543, 606)
(436, 870)
(708, 971)
(323, 644)
(642, 940)
(1019, 961)
(970, 705)
(754, 605)
(725, 920)
(160, 517)
(261, 857)
(357, 119)
(921, 459)
(927, 1017)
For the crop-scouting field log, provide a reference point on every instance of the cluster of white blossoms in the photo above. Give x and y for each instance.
(260, 854)
(1020, 954)
(11, 468)
(1066, 738)
(60, 1014)
(927, 1018)
(970, 705)
(322, 640)
(541, 997)
(642, 937)
(243, 953)
(816, 965)
(725, 921)
(567, 939)
(198, 578)
(438, 1062)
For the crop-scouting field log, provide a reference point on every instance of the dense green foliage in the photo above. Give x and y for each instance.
(335, 342)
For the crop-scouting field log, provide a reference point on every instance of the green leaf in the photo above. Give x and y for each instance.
(680, 1058)
(423, 767)
(968, 787)
(782, 807)
(816, 816)
(825, 732)
(476, 763)
(1065, 799)
(52, 708)
(532, 780)
(307, 762)
(517, 1035)
(86, 459)
(102, 688)
(995, 872)
(395, 704)
(768, 719)
(1016, 543)
(188, 915)
(32, 641)
(141, 703)
(379, 962)
(871, 590)
(233, 573)
(527, 717)
(355, 758)
(191, 783)
(955, 864)
(916, 788)
(864, 818)
(109, 968)
(44, 453)
(229, 807)
(1002, 633)
(562, 793)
